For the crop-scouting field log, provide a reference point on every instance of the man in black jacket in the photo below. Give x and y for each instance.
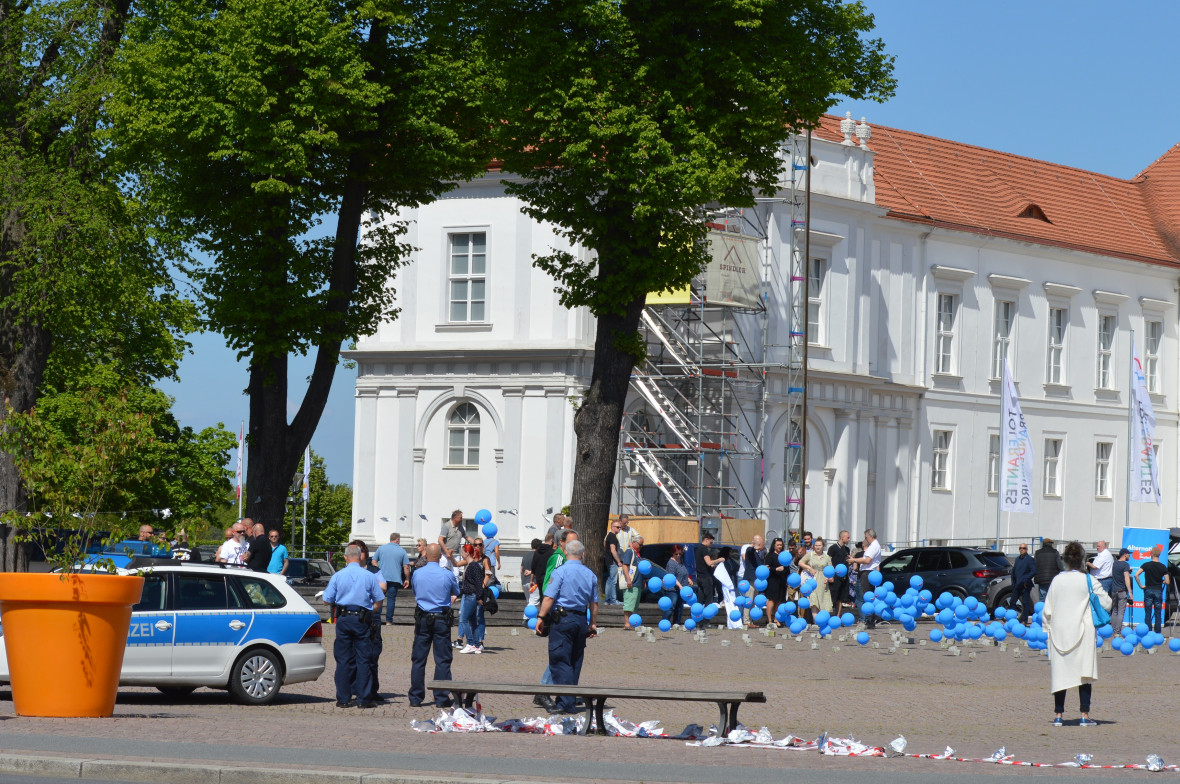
(1023, 571)
(1049, 565)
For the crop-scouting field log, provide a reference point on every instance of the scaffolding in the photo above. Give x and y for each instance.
(693, 440)
(696, 425)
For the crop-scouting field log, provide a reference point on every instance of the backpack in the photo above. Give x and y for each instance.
(490, 605)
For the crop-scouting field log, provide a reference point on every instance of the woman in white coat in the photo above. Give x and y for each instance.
(1073, 655)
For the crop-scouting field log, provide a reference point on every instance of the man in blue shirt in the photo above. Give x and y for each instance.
(435, 589)
(356, 592)
(572, 590)
(278, 554)
(395, 568)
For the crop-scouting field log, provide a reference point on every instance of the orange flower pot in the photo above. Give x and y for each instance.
(65, 637)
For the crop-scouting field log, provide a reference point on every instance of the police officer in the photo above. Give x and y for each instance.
(355, 592)
(434, 589)
(572, 590)
(376, 644)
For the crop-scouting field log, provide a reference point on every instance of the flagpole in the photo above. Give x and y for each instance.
(1130, 427)
(1000, 456)
(241, 439)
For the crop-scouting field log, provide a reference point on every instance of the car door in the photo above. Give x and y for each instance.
(211, 622)
(149, 639)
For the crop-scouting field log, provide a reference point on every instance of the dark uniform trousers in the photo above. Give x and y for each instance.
(376, 645)
(567, 646)
(430, 631)
(352, 651)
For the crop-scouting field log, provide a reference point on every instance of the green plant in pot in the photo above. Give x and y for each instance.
(65, 633)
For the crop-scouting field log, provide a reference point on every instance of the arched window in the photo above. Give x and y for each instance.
(463, 436)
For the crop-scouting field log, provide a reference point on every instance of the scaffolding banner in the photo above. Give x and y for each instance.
(732, 276)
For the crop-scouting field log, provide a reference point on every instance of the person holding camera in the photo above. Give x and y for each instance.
(572, 590)
(434, 589)
(356, 592)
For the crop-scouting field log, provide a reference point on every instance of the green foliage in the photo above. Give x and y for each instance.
(329, 510)
(72, 459)
(625, 120)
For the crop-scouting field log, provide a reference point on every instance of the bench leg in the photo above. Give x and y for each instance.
(729, 719)
(723, 724)
(598, 720)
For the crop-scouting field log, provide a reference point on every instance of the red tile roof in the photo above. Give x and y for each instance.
(924, 179)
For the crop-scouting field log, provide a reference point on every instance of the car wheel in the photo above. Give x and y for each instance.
(256, 677)
(1004, 601)
(176, 691)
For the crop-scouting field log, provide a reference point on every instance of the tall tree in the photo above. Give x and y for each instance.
(81, 278)
(252, 120)
(624, 120)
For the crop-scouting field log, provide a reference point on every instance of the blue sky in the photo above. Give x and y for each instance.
(1068, 81)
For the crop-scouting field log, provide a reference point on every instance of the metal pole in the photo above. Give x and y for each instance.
(304, 548)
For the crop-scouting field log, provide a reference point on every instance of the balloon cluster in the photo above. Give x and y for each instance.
(1141, 636)
(483, 518)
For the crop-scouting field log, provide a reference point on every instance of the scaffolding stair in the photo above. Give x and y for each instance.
(677, 423)
(675, 495)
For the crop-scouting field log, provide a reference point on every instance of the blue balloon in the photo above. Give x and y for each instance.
(866, 609)
(829, 572)
(1131, 639)
(789, 608)
(655, 585)
(971, 602)
(868, 597)
(785, 558)
(710, 611)
(532, 623)
(1000, 635)
(908, 623)
(687, 594)
(1142, 630)
(634, 619)
(961, 612)
(697, 609)
(1174, 645)
(665, 603)
(1127, 649)
(836, 622)
(863, 638)
(793, 580)
(735, 615)
(645, 567)
(935, 635)
(530, 611)
(822, 617)
(760, 600)
(808, 587)
(760, 585)
(841, 570)
(690, 624)
(804, 603)
(490, 529)
(762, 572)
(798, 625)
(482, 517)
(665, 625)
(848, 619)
(916, 582)
(743, 586)
(756, 614)
(875, 578)
(669, 582)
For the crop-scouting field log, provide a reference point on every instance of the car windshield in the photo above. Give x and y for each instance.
(296, 568)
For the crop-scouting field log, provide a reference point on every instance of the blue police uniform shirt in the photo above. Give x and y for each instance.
(354, 586)
(393, 560)
(434, 587)
(573, 586)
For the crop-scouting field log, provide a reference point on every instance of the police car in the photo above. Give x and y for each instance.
(220, 627)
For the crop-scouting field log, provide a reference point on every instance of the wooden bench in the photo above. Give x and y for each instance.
(595, 697)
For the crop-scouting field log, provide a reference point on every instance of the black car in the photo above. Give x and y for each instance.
(308, 571)
(959, 571)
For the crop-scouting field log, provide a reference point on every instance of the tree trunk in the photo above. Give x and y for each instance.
(596, 426)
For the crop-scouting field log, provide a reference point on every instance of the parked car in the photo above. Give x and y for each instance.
(308, 571)
(960, 571)
(220, 627)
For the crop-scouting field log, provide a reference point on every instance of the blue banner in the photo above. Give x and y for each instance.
(1140, 542)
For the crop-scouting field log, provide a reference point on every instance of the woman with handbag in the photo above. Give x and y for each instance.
(1074, 608)
(630, 581)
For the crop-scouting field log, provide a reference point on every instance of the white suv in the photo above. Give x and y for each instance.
(221, 627)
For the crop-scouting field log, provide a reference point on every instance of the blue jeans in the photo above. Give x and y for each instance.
(1153, 609)
(471, 620)
(610, 586)
(390, 601)
(673, 615)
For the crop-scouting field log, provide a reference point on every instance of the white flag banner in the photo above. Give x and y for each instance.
(306, 472)
(1145, 477)
(1016, 452)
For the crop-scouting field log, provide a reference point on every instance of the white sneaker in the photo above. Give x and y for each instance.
(469, 649)
(478, 649)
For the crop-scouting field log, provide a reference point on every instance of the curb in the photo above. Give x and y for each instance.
(181, 773)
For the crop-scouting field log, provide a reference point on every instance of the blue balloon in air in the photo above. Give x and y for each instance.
(756, 614)
(665, 603)
(482, 517)
(829, 572)
(735, 615)
(665, 625)
(532, 623)
(490, 529)
(669, 582)
(687, 594)
(634, 619)
(655, 585)
(785, 558)
(863, 638)
(762, 572)
(793, 580)
(841, 570)
(875, 578)
(645, 567)
(530, 611)
(690, 624)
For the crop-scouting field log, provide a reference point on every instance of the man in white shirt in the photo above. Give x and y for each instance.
(626, 533)
(1101, 566)
(869, 562)
(231, 550)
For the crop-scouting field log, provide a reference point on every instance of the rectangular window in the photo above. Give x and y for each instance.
(1054, 371)
(993, 463)
(1102, 457)
(1053, 467)
(945, 339)
(940, 465)
(1106, 327)
(467, 277)
(1151, 369)
(1002, 335)
(817, 278)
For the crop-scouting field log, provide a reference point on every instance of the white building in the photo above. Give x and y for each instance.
(931, 260)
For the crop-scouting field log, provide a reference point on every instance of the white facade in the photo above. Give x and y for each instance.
(903, 393)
